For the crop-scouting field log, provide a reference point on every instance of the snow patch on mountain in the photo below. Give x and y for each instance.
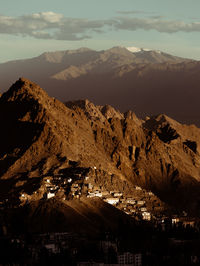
(137, 50)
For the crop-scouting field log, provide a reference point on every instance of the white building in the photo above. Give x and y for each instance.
(98, 194)
(50, 195)
(138, 188)
(130, 201)
(146, 216)
(175, 220)
(24, 197)
(125, 258)
(91, 195)
(138, 259)
(118, 194)
(141, 202)
(90, 186)
(112, 201)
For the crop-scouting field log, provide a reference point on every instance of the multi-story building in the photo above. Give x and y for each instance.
(126, 258)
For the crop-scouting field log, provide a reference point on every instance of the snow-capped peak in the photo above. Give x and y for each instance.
(134, 49)
(137, 50)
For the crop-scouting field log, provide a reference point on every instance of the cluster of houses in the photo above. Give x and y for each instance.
(131, 205)
(76, 183)
(141, 203)
(79, 183)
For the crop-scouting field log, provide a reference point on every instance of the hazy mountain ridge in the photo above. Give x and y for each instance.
(148, 82)
(113, 59)
(50, 64)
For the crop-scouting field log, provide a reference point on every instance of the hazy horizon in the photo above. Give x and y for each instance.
(103, 49)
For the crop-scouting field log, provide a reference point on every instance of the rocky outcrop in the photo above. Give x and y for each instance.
(40, 136)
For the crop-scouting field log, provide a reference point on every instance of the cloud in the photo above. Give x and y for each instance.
(47, 16)
(50, 25)
(167, 26)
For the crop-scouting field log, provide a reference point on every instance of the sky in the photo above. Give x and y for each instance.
(29, 28)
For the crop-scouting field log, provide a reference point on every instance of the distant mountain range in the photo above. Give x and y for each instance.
(41, 138)
(145, 81)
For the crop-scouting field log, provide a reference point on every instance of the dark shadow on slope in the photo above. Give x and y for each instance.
(167, 133)
(79, 216)
(16, 136)
(164, 131)
(192, 145)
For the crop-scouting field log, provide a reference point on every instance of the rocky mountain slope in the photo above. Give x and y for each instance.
(44, 141)
(148, 82)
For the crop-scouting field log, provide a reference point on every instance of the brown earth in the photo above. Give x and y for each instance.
(41, 136)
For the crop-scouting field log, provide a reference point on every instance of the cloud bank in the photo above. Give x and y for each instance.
(50, 25)
(156, 23)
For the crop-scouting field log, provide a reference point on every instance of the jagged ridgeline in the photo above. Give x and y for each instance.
(43, 139)
(147, 82)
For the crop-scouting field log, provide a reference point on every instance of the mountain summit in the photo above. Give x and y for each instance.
(43, 138)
